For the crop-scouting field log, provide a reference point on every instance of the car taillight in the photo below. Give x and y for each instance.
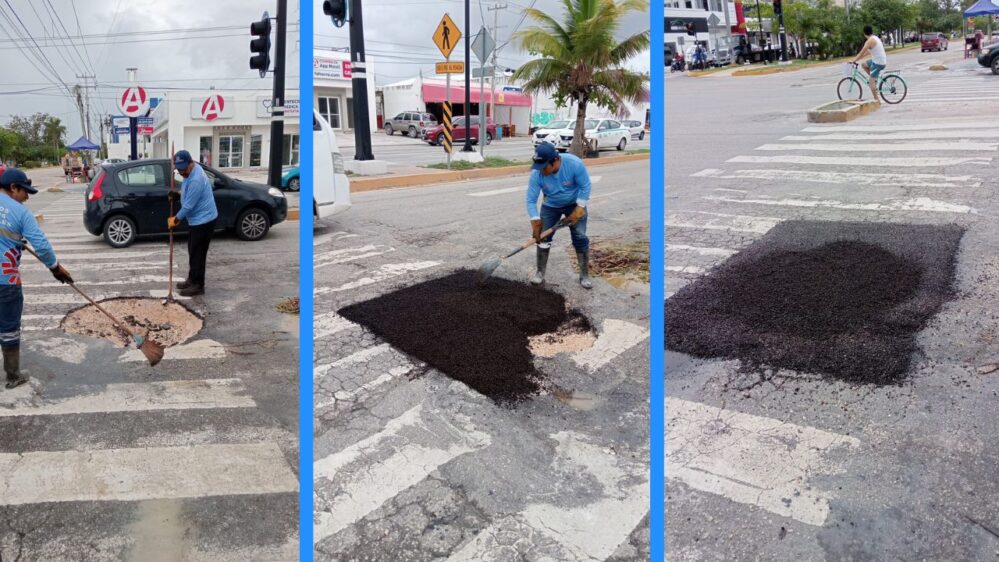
(338, 163)
(96, 193)
(421, 123)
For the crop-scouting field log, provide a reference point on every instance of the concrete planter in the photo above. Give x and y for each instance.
(841, 111)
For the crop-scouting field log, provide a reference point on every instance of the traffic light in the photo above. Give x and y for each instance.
(690, 29)
(336, 10)
(777, 7)
(260, 45)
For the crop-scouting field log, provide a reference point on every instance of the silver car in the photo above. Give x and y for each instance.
(411, 123)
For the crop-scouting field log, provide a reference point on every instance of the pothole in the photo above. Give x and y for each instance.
(167, 324)
(576, 334)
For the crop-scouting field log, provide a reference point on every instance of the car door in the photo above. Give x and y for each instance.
(458, 129)
(228, 197)
(142, 189)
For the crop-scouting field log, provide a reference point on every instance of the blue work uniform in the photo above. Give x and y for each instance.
(564, 190)
(197, 200)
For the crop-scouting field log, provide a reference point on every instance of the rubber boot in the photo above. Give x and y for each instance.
(539, 276)
(584, 269)
(181, 285)
(12, 366)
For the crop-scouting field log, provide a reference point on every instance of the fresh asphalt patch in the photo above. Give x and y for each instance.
(474, 333)
(839, 299)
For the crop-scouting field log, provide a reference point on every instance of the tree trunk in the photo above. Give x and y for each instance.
(579, 132)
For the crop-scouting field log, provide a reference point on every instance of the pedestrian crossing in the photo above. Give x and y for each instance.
(952, 88)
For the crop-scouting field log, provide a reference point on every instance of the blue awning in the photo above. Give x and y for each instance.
(982, 8)
(83, 144)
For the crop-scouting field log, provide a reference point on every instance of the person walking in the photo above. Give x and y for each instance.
(877, 62)
(17, 225)
(197, 202)
(565, 183)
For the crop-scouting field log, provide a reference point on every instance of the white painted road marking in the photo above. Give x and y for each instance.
(616, 337)
(361, 356)
(851, 178)
(522, 188)
(383, 273)
(376, 469)
(723, 252)
(751, 459)
(336, 257)
(198, 349)
(924, 126)
(144, 474)
(886, 147)
(900, 135)
(132, 397)
(924, 204)
(346, 395)
(718, 221)
(863, 161)
(328, 324)
(689, 269)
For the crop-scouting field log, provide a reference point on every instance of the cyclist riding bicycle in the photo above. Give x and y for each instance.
(878, 61)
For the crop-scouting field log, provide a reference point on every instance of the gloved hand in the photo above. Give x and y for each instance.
(578, 213)
(173, 196)
(536, 229)
(61, 275)
(173, 223)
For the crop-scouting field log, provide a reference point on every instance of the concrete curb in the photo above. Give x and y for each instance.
(413, 180)
(293, 215)
(779, 69)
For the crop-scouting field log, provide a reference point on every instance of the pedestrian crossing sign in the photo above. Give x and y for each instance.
(447, 35)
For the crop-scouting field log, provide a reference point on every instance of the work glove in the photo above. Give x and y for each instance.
(173, 223)
(536, 229)
(173, 196)
(61, 275)
(578, 213)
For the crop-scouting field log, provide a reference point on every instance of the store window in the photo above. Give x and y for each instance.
(256, 144)
(231, 151)
(289, 152)
(205, 150)
(329, 108)
(350, 113)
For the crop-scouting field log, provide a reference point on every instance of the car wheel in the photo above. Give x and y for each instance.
(412, 131)
(389, 130)
(440, 139)
(489, 137)
(622, 144)
(294, 184)
(119, 231)
(252, 224)
(641, 136)
(995, 65)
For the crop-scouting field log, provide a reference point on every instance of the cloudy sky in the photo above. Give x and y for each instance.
(397, 33)
(190, 44)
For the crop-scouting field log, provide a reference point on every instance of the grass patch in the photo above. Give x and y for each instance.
(289, 306)
(638, 151)
(615, 259)
(490, 162)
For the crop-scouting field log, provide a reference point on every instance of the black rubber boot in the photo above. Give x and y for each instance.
(181, 285)
(12, 366)
(584, 269)
(192, 291)
(539, 276)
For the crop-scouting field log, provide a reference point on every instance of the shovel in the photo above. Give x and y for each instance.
(489, 266)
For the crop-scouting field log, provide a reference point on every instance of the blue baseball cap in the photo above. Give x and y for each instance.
(13, 176)
(544, 154)
(182, 160)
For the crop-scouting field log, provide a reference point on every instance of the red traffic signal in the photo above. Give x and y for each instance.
(260, 46)
(336, 10)
(690, 29)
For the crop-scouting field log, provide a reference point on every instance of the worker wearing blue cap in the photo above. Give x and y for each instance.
(197, 206)
(565, 183)
(18, 225)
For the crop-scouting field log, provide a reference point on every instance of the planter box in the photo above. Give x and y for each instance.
(841, 111)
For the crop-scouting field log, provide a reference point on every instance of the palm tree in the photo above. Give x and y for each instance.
(53, 132)
(580, 60)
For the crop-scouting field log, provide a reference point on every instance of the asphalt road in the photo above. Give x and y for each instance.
(103, 457)
(412, 466)
(794, 466)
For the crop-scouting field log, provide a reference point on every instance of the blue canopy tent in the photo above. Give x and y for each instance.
(986, 8)
(83, 144)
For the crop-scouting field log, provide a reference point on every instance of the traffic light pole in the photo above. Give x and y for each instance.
(277, 99)
(783, 36)
(468, 79)
(359, 84)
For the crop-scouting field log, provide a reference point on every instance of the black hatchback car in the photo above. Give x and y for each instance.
(129, 199)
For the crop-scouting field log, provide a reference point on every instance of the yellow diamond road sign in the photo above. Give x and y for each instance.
(447, 35)
(456, 67)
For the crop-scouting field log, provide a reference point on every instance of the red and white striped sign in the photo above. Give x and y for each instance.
(213, 107)
(133, 102)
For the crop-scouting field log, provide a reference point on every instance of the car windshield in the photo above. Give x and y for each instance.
(557, 125)
(930, 36)
(591, 123)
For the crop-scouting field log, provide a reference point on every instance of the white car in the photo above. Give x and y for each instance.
(637, 129)
(549, 133)
(606, 133)
(331, 188)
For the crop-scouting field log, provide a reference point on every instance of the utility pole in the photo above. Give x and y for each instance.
(359, 84)
(86, 94)
(468, 77)
(133, 123)
(277, 97)
(492, 83)
(78, 93)
(782, 37)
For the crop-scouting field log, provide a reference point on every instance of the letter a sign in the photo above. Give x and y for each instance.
(133, 102)
(212, 108)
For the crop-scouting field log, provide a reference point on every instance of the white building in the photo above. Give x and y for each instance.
(680, 13)
(333, 90)
(225, 130)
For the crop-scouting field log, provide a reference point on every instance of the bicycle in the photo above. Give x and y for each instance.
(891, 86)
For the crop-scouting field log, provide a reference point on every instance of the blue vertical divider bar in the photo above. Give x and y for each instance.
(305, 283)
(657, 189)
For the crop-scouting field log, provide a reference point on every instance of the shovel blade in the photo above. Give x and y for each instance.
(487, 268)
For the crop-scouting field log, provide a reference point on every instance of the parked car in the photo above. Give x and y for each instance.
(637, 129)
(435, 136)
(549, 133)
(109, 161)
(933, 42)
(411, 123)
(331, 188)
(289, 178)
(606, 132)
(129, 200)
(989, 57)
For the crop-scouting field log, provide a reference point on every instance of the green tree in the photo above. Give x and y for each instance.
(10, 145)
(53, 132)
(579, 59)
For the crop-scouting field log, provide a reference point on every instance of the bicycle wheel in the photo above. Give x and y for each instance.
(849, 89)
(893, 89)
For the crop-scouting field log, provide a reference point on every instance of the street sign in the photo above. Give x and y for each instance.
(488, 71)
(133, 102)
(213, 107)
(446, 36)
(483, 45)
(144, 125)
(713, 20)
(449, 67)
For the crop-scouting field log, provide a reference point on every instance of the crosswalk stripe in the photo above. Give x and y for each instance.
(885, 147)
(851, 178)
(923, 204)
(747, 459)
(904, 135)
(144, 473)
(131, 397)
(926, 126)
(348, 395)
(376, 469)
(200, 349)
(137, 280)
(861, 161)
(718, 221)
(336, 257)
(66, 298)
(492, 192)
(723, 252)
(970, 99)
(328, 324)
(616, 338)
(383, 273)
(687, 269)
(587, 532)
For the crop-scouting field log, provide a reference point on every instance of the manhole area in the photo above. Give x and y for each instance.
(804, 298)
(167, 324)
(475, 333)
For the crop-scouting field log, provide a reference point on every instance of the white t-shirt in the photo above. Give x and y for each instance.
(878, 54)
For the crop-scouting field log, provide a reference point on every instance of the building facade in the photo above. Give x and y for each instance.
(333, 90)
(730, 25)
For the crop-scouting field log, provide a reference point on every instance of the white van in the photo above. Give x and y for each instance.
(331, 188)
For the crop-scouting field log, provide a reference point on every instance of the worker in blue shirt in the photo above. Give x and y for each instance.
(17, 224)
(565, 183)
(197, 205)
